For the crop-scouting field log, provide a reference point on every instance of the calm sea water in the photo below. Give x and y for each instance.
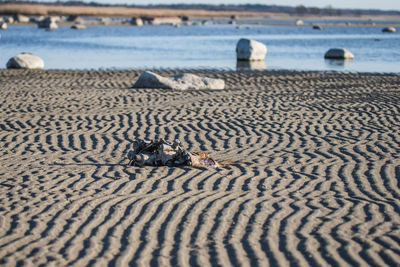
(202, 46)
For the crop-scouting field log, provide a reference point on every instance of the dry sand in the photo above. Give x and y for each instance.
(313, 180)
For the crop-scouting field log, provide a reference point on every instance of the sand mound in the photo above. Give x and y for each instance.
(313, 176)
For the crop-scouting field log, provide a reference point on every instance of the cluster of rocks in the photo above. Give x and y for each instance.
(299, 22)
(250, 54)
(48, 23)
(9, 19)
(162, 153)
(148, 79)
(52, 22)
(251, 51)
(18, 18)
(4, 21)
(175, 21)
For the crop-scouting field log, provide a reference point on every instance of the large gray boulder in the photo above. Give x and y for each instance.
(250, 50)
(25, 61)
(183, 81)
(338, 53)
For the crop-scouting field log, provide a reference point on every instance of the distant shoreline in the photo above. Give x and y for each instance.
(32, 9)
(117, 11)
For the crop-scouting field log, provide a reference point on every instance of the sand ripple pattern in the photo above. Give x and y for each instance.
(313, 178)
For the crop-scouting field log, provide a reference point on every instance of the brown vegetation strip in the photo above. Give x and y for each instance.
(41, 9)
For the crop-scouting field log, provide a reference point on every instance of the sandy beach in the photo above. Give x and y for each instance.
(312, 175)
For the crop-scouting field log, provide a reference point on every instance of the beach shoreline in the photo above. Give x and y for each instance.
(313, 164)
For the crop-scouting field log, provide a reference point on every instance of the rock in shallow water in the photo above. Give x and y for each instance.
(135, 21)
(25, 61)
(317, 27)
(78, 27)
(161, 153)
(49, 23)
(389, 29)
(338, 53)
(250, 50)
(183, 81)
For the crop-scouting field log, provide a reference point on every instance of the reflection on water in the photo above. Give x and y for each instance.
(250, 65)
(338, 63)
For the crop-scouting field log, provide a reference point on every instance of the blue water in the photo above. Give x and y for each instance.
(210, 46)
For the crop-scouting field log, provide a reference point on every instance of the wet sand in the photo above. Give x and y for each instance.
(312, 178)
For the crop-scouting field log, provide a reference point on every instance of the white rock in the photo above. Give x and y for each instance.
(250, 50)
(183, 81)
(299, 22)
(25, 61)
(339, 53)
(136, 21)
(165, 20)
(9, 20)
(3, 26)
(21, 18)
(52, 26)
(49, 23)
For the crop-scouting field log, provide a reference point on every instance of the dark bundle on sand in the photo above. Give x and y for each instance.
(161, 153)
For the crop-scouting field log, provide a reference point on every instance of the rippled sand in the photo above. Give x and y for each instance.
(313, 177)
